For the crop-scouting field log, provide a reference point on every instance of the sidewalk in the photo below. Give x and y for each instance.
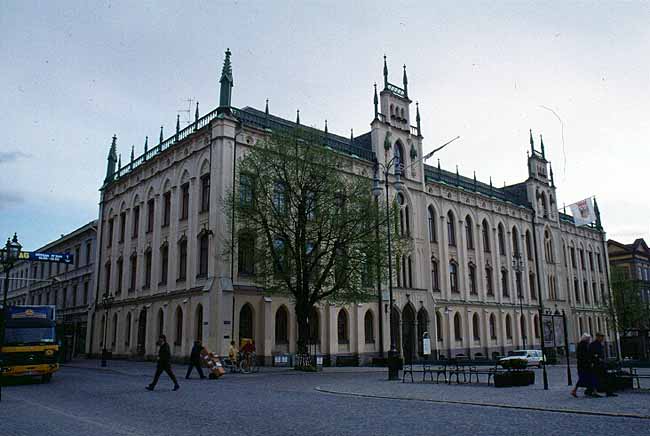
(629, 403)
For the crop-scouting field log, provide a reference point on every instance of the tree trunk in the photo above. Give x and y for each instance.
(302, 316)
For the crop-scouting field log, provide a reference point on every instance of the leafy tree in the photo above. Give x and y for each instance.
(630, 311)
(307, 224)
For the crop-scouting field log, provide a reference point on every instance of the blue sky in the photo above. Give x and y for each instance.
(74, 74)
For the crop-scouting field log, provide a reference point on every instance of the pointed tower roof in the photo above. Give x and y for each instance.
(385, 73)
(532, 143)
(406, 83)
(417, 118)
(227, 83)
(196, 113)
(375, 101)
(112, 152)
(178, 123)
(161, 134)
(541, 141)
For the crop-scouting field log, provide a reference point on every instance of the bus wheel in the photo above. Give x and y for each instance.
(46, 378)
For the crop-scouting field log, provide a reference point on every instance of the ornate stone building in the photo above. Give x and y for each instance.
(163, 234)
(69, 287)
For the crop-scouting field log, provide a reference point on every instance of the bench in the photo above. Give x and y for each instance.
(485, 367)
(458, 367)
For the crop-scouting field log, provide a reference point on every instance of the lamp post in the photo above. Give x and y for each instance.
(518, 267)
(10, 255)
(393, 359)
(107, 301)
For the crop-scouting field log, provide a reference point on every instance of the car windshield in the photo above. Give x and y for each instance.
(28, 335)
(519, 353)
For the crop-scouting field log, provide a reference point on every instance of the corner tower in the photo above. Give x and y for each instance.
(540, 183)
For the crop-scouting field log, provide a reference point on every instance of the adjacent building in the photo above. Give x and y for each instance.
(70, 287)
(634, 263)
(163, 233)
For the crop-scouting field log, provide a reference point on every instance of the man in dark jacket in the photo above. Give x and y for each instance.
(164, 364)
(195, 360)
(597, 351)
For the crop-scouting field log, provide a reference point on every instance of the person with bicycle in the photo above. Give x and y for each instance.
(247, 352)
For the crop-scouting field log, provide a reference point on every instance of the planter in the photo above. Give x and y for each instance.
(514, 378)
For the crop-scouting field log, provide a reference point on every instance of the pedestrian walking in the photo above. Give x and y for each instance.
(585, 370)
(164, 364)
(597, 351)
(195, 360)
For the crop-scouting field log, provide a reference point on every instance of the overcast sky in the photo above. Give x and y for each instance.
(75, 74)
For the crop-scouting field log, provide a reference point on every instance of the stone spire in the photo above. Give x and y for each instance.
(146, 146)
(385, 73)
(551, 170)
(325, 128)
(161, 134)
(541, 141)
(119, 161)
(375, 100)
(417, 118)
(132, 154)
(196, 113)
(532, 144)
(406, 83)
(226, 84)
(351, 136)
(112, 160)
(298, 116)
(266, 108)
(178, 124)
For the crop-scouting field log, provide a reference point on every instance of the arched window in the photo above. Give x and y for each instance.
(314, 326)
(501, 240)
(431, 216)
(435, 275)
(485, 231)
(508, 327)
(529, 247)
(453, 276)
(439, 326)
(469, 232)
(178, 338)
(451, 229)
(489, 285)
(585, 287)
(544, 205)
(161, 322)
(127, 330)
(401, 158)
(204, 245)
(246, 323)
(493, 326)
(548, 246)
(504, 283)
(458, 331)
(423, 326)
(404, 225)
(515, 241)
(471, 269)
(522, 326)
(476, 327)
(369, 327)
(531, 284)
(182, 258)
(198, 319)
(536, 326)
(282, 326)
(342, 327)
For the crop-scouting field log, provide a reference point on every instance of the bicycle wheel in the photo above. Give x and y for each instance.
(244, 367)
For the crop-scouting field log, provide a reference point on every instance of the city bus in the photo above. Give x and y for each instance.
(29, 347)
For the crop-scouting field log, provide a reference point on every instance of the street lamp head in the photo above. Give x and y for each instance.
(13, 248)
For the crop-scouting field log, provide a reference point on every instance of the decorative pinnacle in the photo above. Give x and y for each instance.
(385, 73)
(161, 134)
(196, 113)
(351, 136)
(298, 116)
(146, 145)
(375, 101)
(532, 144)
(438, 164)
(132, 153)
(542, 145)
(178, 123)
(325, 127)
(226, 71)
(406, 82)
(266, 108)
(119, 161)
(112, 153)
(417, 118)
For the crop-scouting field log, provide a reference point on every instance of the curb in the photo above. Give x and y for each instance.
(496, 405)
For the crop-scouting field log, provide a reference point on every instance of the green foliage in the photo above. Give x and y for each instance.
(309, 221)
(629, 311)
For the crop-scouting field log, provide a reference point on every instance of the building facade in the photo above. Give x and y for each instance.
(69, 287)
(163, 233)
(634, 263)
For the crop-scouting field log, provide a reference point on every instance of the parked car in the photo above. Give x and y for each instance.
(533, 357)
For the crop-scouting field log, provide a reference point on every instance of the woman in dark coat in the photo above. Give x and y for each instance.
(585, 368)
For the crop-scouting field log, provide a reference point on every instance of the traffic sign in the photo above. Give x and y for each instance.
(36, 256)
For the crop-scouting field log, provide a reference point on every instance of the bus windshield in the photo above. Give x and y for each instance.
(28, 335)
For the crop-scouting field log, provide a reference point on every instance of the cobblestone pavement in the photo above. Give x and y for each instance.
(85, 400)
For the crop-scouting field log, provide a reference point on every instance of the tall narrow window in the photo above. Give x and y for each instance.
(431, 221)
(515, 241)
(185, 201)
(458, 330)
(342, 327)
(573, 257)
(451, 229)
(134, 272)
(167, 208)
(369, 327)
(504, 283)
(107, 274)
(136, 222)
(150, 214)
(435, 276)
(109, 238)
(453, 276)
(279, 197)
(532, 286)
(518, 284)
(585, 287)
(529, 247)
(147, 269)
(164, 263)
(591, 261)
(548, 248)
(508, 327)
(122, 226)
(89, 253)
(485, 231)
(205, 193)
(493, 327)
(246, 255)
(120, 275)
(245, 190)
(501, 240)
(576, 290)
(469, 232)
(476, 327)
(204, 243)
(182, 259)
(178, 339)
(282, 326)
(472, 279)
(489, 286)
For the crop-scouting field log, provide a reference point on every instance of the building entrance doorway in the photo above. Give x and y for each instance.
(142, 332)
